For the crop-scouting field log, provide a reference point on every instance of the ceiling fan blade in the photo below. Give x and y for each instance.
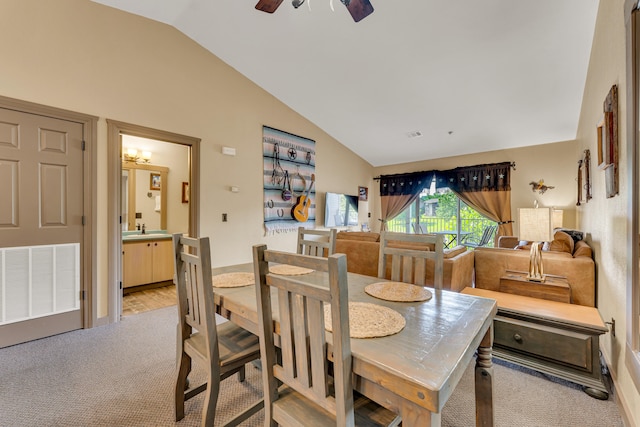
(359, 9)
(268, 6)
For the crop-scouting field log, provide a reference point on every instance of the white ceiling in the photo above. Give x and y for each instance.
(469, 75)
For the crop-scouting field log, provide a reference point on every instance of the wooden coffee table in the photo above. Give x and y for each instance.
(552, 337)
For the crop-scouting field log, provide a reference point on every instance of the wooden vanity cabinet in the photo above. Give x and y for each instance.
(147, 261)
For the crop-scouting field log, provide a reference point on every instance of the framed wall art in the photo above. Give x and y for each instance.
(610, 142)
(154, 181)
(584, 178)
(601, 145)
(363, 194)
(185, 192)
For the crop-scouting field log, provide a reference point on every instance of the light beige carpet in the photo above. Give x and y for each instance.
(122, 375)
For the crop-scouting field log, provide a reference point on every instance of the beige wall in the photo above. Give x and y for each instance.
(85, 57)
(81, 56)
(607, 220)
(556, 163)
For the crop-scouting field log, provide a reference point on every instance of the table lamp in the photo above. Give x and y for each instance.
(536, 226)
(558, 215)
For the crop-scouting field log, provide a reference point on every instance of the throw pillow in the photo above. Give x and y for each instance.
(576, 235)
(562, 242)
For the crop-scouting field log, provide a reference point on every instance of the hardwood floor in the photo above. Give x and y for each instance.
(148, 299)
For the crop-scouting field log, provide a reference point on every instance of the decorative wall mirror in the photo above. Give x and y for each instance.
(144, 194)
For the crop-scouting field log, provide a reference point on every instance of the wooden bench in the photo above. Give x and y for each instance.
(552, 337)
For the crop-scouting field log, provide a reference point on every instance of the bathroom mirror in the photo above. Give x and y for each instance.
(142, 202)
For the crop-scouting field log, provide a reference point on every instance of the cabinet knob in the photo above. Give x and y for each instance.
(148, 244)
(517, 337)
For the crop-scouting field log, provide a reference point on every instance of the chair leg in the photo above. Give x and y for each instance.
(241, 374)
(183, 370)
(211, 397)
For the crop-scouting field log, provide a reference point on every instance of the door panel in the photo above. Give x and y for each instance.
(8, 193)
(53, 196)
(41, 209)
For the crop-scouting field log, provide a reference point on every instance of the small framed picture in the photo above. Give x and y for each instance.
(363, 194)
(185, 192)
(154, 181)
(601, 145)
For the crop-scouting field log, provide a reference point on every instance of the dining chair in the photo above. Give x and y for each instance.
(224, 349)
(487, 234)
(316, 242)
(313, 388)
(408, 257)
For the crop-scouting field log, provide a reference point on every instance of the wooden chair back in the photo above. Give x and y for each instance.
(195, 290)
(300, 312)
(316, 242)
(224, 348)
(408, 257)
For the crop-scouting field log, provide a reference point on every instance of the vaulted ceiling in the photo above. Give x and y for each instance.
(416, 79)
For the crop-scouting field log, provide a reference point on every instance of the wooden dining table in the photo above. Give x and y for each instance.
(414, 372)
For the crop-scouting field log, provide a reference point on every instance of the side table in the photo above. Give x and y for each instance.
(552, 337)
(554, 288)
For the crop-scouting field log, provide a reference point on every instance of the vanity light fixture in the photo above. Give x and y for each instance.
(132, 155)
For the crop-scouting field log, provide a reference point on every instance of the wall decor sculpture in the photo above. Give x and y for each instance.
(584, 178)
(607, 142)
(540, 186)
(289, 175)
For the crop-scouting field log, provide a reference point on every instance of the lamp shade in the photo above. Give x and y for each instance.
(535, 224)
(558, 215)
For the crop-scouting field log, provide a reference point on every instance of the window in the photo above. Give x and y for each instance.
(442, 211)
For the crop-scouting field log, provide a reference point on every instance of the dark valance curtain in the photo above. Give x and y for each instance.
(486, 188)
(490, 177)
(397, 192)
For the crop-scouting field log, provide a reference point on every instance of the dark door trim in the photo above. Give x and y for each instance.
(89, 285)
(114, 166)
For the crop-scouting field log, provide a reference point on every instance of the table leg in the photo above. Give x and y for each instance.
(484, 382)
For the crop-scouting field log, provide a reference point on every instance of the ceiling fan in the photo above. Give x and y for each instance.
(359, 9)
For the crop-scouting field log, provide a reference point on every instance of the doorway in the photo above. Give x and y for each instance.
(127, 135)
(45, 221)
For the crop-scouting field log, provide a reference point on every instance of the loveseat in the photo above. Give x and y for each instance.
(568, 255)
(363, 250)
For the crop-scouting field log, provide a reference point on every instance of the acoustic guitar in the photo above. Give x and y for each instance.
(300, 212)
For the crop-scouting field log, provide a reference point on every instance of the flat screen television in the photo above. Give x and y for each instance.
(340, 210)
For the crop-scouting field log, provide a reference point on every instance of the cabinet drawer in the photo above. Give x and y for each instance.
(563, 346)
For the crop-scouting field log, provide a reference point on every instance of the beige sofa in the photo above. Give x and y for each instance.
(563, 257)
(363, 250)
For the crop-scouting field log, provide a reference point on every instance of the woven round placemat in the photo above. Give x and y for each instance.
(398, 291)
(288, 270)
(233, 280)
(368, 320)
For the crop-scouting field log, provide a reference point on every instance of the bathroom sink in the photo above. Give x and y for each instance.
(146, 236)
